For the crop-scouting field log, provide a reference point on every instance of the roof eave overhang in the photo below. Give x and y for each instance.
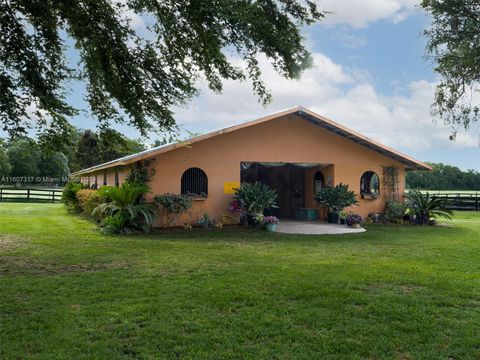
(336, 128)
(410, 163)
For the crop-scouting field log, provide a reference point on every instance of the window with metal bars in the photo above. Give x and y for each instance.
(194, 182)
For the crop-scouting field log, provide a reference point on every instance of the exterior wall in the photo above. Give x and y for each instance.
(285, 139)
(122, 174)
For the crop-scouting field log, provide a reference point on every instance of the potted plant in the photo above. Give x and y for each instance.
(254, 198)
(335, 199)
(205, 221)
(270, 222)
(342, 216)
(354, 220)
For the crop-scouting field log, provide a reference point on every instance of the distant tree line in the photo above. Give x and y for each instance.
(24, 157)
(443, 177)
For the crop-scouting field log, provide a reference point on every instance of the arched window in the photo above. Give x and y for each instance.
(369, 183)
(117, 180)
(194, 182)
(318, 182)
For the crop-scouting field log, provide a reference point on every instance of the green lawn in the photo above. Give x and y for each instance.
(68, 292)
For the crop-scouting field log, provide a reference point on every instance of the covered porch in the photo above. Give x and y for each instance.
(295, 183)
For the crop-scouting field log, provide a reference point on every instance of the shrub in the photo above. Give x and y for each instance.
(88, 200)
(336, 198)
(255, 197)
(69, 194)
(172, 206)
(376, 218)
(394, 211)
(124, 209)
(426, 208)
(113, 224)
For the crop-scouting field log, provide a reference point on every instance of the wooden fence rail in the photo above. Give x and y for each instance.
(30, 195)
(461, 201)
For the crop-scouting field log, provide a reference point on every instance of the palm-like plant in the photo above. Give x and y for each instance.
(336, 198)
(426, 207)
(123, 208)
(255, 197)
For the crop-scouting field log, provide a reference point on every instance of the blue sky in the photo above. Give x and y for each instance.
(369, 74)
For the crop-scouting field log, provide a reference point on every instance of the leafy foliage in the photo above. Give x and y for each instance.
(140, 173)
(123, 210)
(87, 151)
(255, 197)
(172, 205)
(138, 74)
(5, 167)
(54, 165)
(206, 221)
(88, 200)
(443, 177)
(69, 194)
(336, 198)
(394, 211)
(24, 158)
(427, 208)
(454, 44)
(94, 148)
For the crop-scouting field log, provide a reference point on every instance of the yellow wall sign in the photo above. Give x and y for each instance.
(228, 186)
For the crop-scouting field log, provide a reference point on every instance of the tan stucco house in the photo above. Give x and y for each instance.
(295, 151)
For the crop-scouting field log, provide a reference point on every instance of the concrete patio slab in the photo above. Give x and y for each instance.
(314, 228)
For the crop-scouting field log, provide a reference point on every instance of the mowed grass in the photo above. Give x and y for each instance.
(401, 292)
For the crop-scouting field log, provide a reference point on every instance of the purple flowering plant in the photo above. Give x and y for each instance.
(352, 219)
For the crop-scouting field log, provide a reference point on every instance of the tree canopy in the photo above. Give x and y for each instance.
(5, 167)
(136, 77)
(27, 158)
(454, 45)
(95, 148)
(443, 177)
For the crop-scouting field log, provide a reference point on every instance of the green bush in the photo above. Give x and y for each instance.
(336, 198)
(426, 208)
(114, 224)
(255, 197)
(88, 200)
(172, 206)
(124, 209)
(394, 211)
(69, 194)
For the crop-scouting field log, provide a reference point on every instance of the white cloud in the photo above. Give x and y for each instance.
(346, 96)
(349, 39)
(359, 14)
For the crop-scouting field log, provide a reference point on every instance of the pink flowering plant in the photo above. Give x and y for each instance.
(270, 220)
(353, 219)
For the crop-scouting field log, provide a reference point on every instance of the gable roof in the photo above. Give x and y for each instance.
(409, 162)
